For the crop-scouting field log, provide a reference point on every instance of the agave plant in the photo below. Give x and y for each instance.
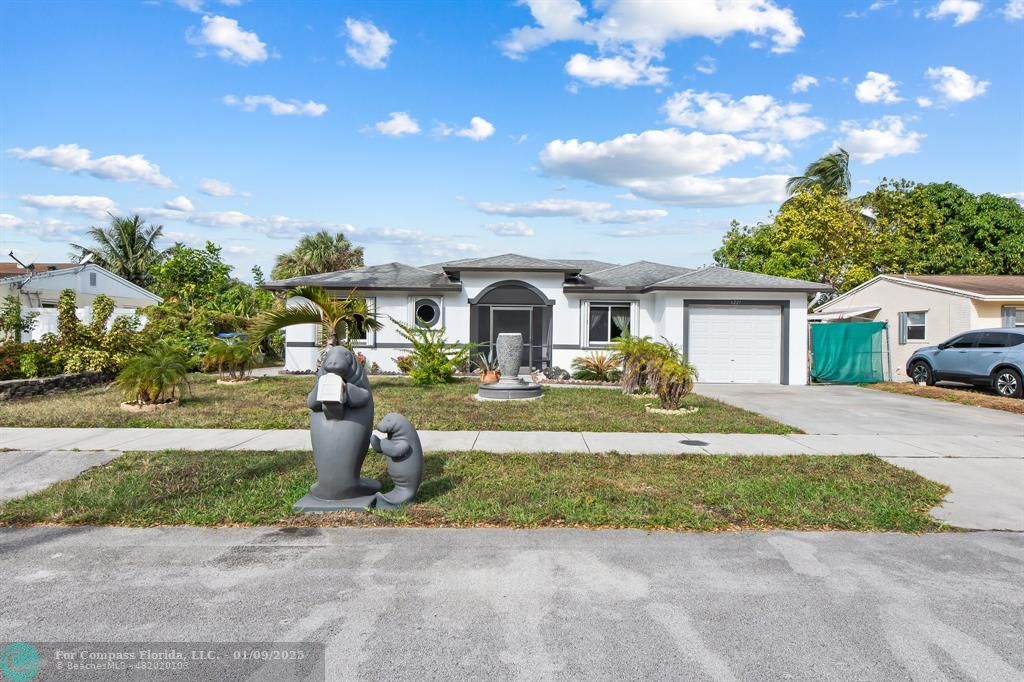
(596, 367)
(340, 319)
(155, 377)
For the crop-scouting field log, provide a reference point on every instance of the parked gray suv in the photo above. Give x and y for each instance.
(993, 358)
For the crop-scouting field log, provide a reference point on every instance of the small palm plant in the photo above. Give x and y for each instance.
(596, 367)
(340, 319)
(154, 377)
(232, 360)
(675, 380)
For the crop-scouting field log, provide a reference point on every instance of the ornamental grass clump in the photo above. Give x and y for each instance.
(155, 377)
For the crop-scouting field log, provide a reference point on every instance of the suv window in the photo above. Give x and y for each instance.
(965, 341)
(1013, 339)
(994, 340)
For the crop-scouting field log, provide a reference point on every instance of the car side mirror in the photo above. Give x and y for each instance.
(942, 346)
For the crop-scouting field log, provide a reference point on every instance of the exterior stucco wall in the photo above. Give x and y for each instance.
(657, 314)
(990, 313)
(946, 314)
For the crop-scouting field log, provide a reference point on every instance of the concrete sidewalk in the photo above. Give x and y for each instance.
(992, 446)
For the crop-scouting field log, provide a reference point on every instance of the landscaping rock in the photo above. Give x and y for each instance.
(26, 388)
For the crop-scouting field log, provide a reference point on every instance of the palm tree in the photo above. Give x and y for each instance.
(317, 253)
(831, 172)
(340, 319)
(127, 247)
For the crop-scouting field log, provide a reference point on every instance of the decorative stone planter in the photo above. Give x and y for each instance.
(510, 386)
(150, 407)
(489, 377)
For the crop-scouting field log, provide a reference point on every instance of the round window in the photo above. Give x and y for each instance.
(428, 313)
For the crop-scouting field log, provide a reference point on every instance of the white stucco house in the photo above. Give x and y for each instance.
(734, 326)
(923, 310)
(39, 292)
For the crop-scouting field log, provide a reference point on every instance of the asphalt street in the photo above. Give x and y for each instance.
(415, 604)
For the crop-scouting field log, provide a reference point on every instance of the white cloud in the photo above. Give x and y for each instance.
(197, 5)
(956, 85)
(92, 206)
(9, 221)
(231, 41)
(643, 28)
(75, 159)
(691, 190)
(479, 129)
(883, 138)
(618, 71)
(218, 188)
(398, 124)
(803, 82)
(964, 11)
(368, 45)
(292, 107)
(1017, 196)
(179, 203)
(584, 211)
(514, 229)
(707, 65)
(1014, 10)
(924, 102)
(760, 116)
(877, 87)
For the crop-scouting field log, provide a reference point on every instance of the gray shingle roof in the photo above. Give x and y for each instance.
(510, 261)
(724, 278)
(590, 276)
(387, 276)
(639, 275)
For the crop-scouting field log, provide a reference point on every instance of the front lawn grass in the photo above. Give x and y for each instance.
(964, 395)
(280, 403)
(694, 492)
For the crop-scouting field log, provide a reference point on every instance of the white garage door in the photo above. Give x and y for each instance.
(736, 344)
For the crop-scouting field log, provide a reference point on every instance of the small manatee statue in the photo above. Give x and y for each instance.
(340, 434)
(405, 460)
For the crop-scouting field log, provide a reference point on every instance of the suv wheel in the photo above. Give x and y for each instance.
(1008, 382)
(921, 373)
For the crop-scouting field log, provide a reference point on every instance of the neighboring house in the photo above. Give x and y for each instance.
(734, 326)
(924, 310)
(39, 292)
(13, 269)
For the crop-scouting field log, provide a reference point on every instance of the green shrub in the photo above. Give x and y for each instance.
(434, 360)
(596, 367)
(231, 359)
(12, 323)
(155, 377)
(404, 363)
(675, 381)
(92, 347)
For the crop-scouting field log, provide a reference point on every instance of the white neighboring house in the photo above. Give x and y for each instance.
(736, 327)
(40, 291)
(923, 310)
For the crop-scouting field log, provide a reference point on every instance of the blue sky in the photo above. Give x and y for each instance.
(615, 130)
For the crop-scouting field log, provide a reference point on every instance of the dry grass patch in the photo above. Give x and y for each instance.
(468, 489)
(280, 403)
(964, 395)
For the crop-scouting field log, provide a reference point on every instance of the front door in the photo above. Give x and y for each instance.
(513, 320)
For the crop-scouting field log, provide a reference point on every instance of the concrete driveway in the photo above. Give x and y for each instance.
(851, 410)
(416, 604)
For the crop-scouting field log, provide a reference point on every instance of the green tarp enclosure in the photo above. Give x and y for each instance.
(848, 352)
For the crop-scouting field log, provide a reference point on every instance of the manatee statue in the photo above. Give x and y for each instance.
(405, 460)
(340, 433)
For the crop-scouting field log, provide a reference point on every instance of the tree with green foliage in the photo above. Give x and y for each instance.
(192, 277)
(126, 247)
(13, 323)
(318, 253)
(831, 173)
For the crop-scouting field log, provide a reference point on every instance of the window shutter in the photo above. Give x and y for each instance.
(585, 324)
(1010, 316)
(903, 329)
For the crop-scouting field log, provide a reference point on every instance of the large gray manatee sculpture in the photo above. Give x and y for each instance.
(340, 433)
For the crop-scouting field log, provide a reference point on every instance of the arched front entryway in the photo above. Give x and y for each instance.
(508, 307)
